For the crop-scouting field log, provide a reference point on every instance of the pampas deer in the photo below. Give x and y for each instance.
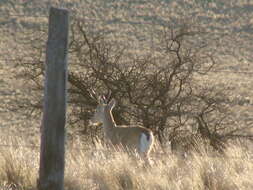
(131, 138)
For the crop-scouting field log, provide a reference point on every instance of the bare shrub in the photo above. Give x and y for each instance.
(158, 89)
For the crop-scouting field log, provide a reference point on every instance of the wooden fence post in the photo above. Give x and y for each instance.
(51, 171)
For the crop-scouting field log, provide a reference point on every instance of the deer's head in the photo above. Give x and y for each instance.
(105, 105)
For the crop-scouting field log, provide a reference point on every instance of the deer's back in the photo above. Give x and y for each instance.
(129, 136)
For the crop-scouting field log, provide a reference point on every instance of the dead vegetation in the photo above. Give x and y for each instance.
(104, 169)
(162, 63)
(158, 90)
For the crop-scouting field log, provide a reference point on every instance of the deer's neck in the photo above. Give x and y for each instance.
(108, 123)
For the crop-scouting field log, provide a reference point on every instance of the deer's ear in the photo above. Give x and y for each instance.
(112, 103)
(100, 100)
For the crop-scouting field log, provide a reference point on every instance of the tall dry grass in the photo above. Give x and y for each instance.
(108, 170)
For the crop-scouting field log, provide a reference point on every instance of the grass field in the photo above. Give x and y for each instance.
(88, 167)
(103, 169)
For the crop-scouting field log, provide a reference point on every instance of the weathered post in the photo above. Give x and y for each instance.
(51, 171)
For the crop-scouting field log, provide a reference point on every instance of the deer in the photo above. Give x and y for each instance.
(133, 139)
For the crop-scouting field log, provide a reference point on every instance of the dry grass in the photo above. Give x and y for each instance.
(108, 170)
(18, 164)
(100, 169)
